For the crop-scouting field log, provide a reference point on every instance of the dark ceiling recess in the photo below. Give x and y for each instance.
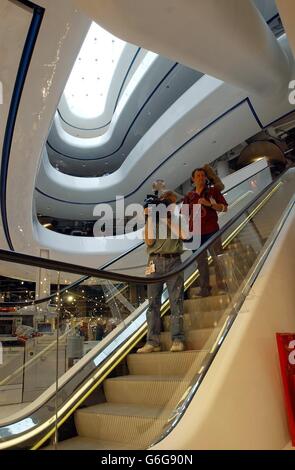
(259, 149)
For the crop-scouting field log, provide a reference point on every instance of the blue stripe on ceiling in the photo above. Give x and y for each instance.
(38, 13)
(246, 100)
(128, 130)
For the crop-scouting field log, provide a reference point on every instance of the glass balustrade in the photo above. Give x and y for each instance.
(74, 353)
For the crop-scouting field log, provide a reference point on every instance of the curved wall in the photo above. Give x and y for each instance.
(238, 47)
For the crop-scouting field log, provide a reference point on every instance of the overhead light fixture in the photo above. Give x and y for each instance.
(257, 159)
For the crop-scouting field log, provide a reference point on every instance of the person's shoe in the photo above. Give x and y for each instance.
(177, 346)
(204, 292)
(148, 348)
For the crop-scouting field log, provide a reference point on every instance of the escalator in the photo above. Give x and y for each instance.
(113, 398)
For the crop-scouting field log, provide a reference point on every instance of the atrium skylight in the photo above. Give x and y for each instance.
(89, 82)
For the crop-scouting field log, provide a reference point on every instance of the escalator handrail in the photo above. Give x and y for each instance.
(103, 267)
(69, 287)
(54, 265)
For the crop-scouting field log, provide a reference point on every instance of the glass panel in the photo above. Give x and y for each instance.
(161, 381)
(158, 383)
(90, 311)
(42, 340)
(29, 350)
(83, 333)
(206, 320)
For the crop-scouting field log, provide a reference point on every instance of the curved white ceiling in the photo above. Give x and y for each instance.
(89, 83)
(106, 143)
(226, 39)
(161, 149)
(82, 126)
(87, 147)
(208, 120)
(115, 92)
(156, 84)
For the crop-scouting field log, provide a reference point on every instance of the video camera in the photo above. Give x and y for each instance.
(154, 199)
(159, 188)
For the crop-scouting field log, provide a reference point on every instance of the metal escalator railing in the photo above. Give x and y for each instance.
(84, 377)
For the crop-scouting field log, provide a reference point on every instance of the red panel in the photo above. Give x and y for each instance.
(286, 347)
(7, 309)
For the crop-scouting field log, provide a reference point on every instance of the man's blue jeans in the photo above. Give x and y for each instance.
(175, 287)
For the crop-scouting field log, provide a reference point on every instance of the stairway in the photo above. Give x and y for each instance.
(139, 404)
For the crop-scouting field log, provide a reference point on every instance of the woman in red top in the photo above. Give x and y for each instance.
(212, 202)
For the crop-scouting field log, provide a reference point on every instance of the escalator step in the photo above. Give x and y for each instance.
(194, 340)
(144, 389)
(214, 302)
(197, 320)
(165, 363)
(121, 423)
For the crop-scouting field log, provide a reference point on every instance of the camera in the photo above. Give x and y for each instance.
(151, 199)
(155, 199)
(159, 188)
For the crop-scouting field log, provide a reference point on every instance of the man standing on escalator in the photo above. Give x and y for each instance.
(164, 249)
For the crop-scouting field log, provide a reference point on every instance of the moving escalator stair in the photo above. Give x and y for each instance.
(139, 404)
